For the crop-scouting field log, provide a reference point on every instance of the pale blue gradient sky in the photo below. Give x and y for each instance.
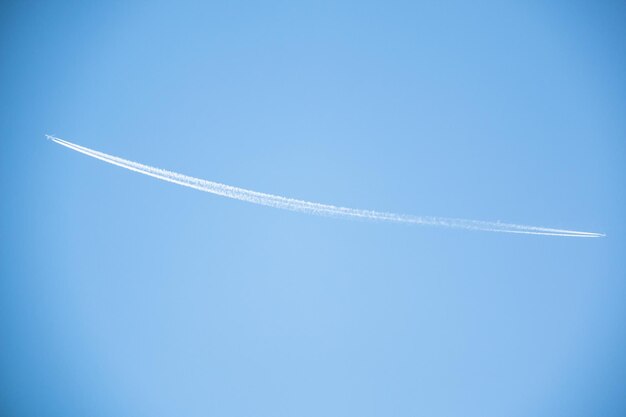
(125, 296)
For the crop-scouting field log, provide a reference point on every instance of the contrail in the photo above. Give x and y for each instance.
(316, 208)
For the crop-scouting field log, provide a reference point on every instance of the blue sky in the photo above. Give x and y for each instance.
(125, 296)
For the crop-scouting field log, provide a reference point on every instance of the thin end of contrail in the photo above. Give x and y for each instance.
(318, 209)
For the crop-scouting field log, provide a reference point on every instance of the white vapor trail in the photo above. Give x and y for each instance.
(316, 208)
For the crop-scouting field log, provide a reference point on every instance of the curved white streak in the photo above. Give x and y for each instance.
(315, 208)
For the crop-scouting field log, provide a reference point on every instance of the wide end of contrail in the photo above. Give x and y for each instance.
(319, 209)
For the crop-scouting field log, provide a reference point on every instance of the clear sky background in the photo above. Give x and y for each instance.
(121, 295)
